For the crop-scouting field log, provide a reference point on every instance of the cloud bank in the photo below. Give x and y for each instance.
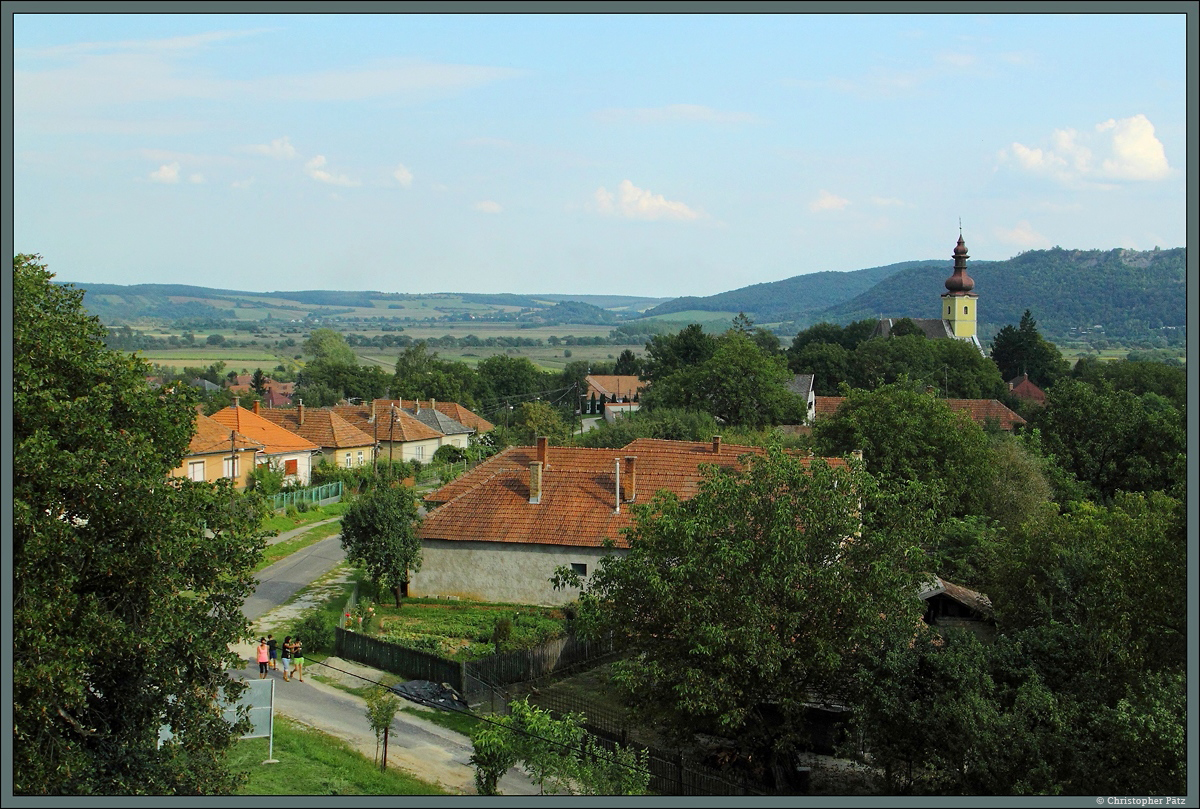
(1123, 149)
(631, 202)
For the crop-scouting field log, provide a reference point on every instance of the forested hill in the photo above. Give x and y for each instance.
(1127, 292)
(792, 298)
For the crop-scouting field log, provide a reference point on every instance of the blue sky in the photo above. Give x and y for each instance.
(653, 155)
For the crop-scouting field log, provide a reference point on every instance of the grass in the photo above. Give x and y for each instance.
(464, 631)
(279, 522)
(314, 763)
(273, 553)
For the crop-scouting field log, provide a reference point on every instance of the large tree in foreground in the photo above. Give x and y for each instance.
(379, 532)
(757, 596)
(127, 586)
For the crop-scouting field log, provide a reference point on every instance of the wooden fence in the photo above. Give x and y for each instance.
(474, 679)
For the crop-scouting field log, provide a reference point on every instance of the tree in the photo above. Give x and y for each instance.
(328, 345)
(381, 710)
(127, 585)
(668, 353)
(535, 419)
(379, 532)
(628, 363)
(1023, 350)
(909, 435)
(259, 382)
(215, 339)
(739, 605)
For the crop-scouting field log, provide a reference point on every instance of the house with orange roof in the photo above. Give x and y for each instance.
(981, 411)
(215, 452)
(1023, 388)
(342, 444)
(400, 436)
(500, 531)
(293, 453)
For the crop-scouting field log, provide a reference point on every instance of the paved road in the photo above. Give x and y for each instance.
(425, 749)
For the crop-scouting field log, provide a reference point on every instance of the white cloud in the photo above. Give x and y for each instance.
(632, 202)
(1023, 236)
(689, 113)
(487, 206)
(196, 178)
(403, 175)
(280, 148)
(315, 169)
(1124, 149)
(1136, 153)
(826, 201)
(166, 173)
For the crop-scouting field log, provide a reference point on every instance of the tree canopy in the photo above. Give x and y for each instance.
(127, 585)
(742, 603)
(379, 532)
(1023, 350)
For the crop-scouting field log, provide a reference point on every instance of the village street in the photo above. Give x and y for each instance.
(423, 748)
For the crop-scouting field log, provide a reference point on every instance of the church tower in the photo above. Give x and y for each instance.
(959, 302)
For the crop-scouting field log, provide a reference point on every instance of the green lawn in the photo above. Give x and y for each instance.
(464, 631)
(314, 763)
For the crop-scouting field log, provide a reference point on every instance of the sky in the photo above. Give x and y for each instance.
(647, 155)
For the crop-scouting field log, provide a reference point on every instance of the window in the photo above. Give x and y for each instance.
(347, 463)
(964, 310)
(291, 467)
(231, 467)
(581, 569)
(419, 453)
(196, 470)
(360, 457)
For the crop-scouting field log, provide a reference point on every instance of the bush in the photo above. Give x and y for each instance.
(302, 506)
(502, 632)
(316, 631)
(291, 511)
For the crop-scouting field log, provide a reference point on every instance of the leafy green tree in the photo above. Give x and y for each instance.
(379, 532)
(502, 377)
(1137, 378)
(421, 375)
(739, 605)
(1023, 350)
(829, 363)
(259, 382)
(535, 419)
(908, 435)
(905, 327)
(329, 346)
(127, 585)
(668, 353)
(215, 339)
(628, 363)
(381, 710)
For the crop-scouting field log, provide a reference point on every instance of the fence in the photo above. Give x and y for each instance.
(321, 495)
(476, 678)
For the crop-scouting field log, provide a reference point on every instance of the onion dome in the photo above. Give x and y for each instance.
(960, 283)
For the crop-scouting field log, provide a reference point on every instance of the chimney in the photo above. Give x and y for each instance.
(629, 482)
(254, 406)
(300, 410)
(543, 450)
(236, 400)
(716, 445)
(535, 482)
(856, 454)
(617, 487)
(433, 404)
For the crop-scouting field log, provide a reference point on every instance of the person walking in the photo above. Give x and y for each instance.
(271, 644)
(285, 656)
(298, 657)
(264, 656)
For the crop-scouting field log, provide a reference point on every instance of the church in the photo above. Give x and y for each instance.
(958, 310)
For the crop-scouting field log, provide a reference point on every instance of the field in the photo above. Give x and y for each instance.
(464, 631)
(235, 359)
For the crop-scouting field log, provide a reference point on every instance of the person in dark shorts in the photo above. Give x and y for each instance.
(286, 656)
(271, 644)
(263, 658)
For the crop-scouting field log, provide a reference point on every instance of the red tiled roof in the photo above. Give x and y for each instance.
(979, 410)
(323, 427)
(212, 436)
(578, 492)
(1025, 389)
(275, 439)
(459, 413)
(615, 384)
(399, 429)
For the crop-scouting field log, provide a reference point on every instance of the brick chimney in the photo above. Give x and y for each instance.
(254, 406)
(716, 445)
(543, 450)
(535, 482)
(300, 412)
(236, 401)
(629, 480)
